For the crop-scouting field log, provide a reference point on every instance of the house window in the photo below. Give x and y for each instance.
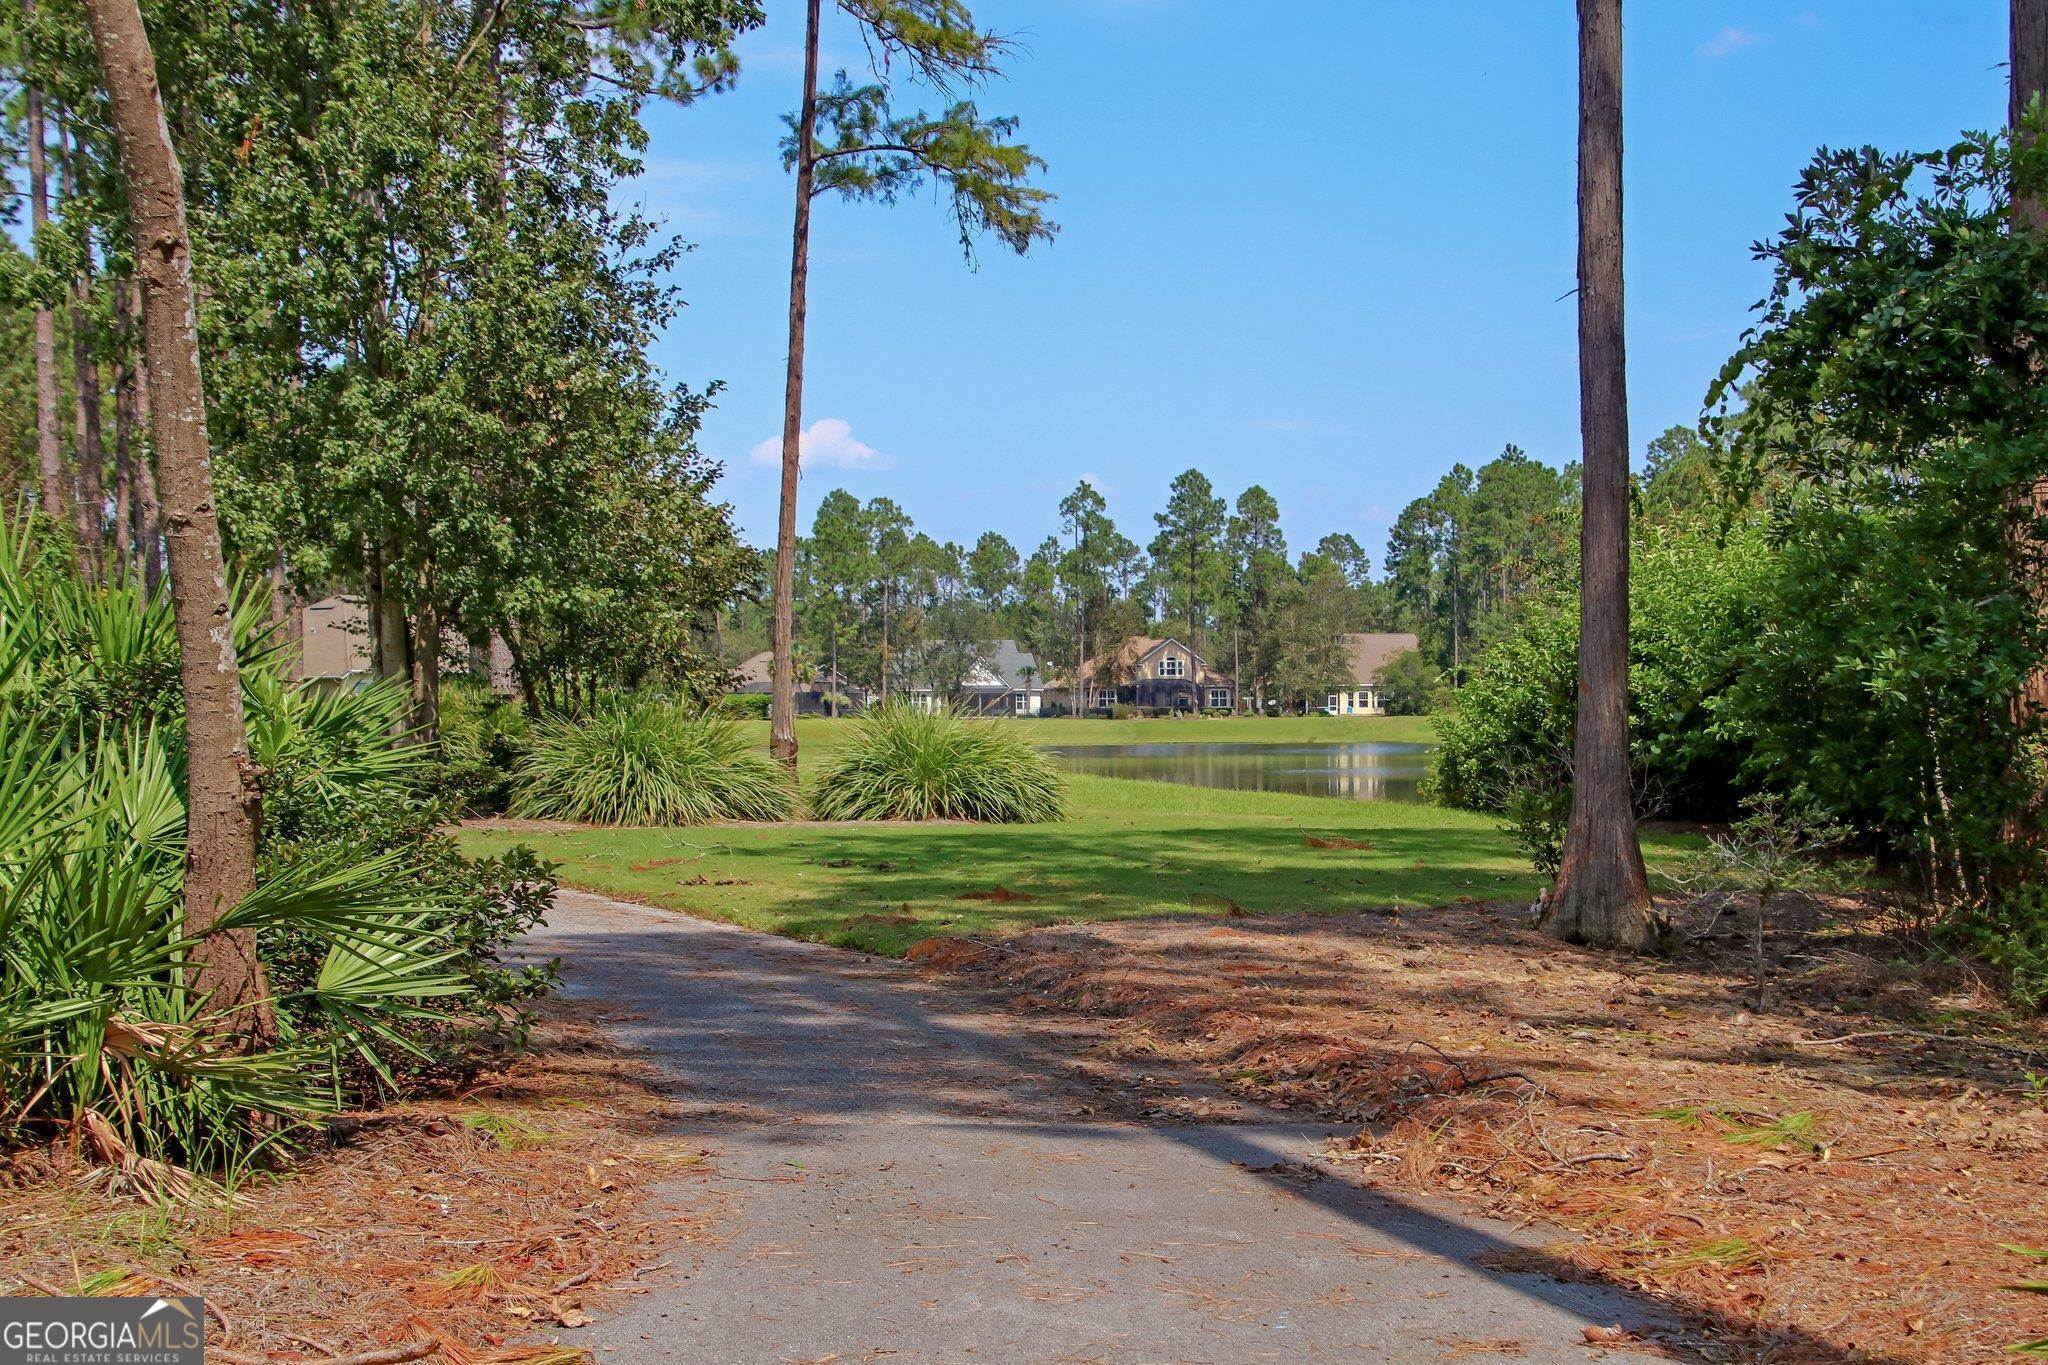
(1172, 666)
(1219, 699)
(1105, 697)
(1021, 703)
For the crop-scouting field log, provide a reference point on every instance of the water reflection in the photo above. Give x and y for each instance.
(1358, 772)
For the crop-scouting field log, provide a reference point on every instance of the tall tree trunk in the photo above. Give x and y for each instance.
(426, 655)
(124, 431)
(56, 501)
(224, 790)
(782, 704)
(287, 618)
(426, 672)
(1602, 895)
(149, 509)
(87, 454)
(2029, 81)
(529, 691)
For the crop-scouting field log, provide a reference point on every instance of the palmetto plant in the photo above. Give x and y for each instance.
(98, 1029)
(900, 763)
(647, 763)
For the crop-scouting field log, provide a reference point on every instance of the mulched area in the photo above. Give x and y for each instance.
(468, 1230)
(1844, 1176)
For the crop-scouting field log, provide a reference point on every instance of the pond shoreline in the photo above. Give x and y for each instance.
(1357, 770)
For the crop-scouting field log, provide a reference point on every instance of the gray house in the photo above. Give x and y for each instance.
(755, 677)
(1008, 681)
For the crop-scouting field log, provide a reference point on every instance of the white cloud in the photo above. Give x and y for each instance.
(1728, 41)
(827, 443)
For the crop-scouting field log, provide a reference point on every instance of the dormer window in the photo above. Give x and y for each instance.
(1172, 666)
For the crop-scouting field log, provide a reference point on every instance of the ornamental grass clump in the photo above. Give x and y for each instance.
(898, 763)
(647, 763)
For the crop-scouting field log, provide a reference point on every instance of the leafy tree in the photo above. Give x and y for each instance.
(1894, 393)
(1258, 572)
(1409, 684)
(1309, 647)
(1188, 552)
(851, 141)
(1342, 549)
(993, 573)
(838, 564)
(1601, 895)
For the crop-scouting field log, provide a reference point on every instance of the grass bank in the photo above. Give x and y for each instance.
(1127, 849)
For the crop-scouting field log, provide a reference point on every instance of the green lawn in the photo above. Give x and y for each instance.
(1127, 848)
(1184, 730)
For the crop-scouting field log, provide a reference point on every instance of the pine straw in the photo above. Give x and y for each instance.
(1806, 1198)
(482, 1224)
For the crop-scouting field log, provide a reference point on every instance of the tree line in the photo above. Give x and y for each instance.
(887, 606)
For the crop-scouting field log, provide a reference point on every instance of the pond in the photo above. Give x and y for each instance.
(1357, 772)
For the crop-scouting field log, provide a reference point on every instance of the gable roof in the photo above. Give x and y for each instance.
(1368, 654)
(1138, 648)
(758, 671)
(1008, 660)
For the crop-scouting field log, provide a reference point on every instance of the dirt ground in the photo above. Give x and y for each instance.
(461, 1230)
(1839, 1177)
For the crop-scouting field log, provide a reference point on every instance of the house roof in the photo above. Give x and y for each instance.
(756, 673)
(1368, 654)
(1008, 660)
(1138, 648)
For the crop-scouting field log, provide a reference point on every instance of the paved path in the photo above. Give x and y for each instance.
(921, 1177)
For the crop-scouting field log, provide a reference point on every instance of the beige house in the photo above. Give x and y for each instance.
(1366, 655)
(334, 648)
(1152, 674)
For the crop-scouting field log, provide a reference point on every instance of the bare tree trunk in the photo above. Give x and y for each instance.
(529, 691)
(426, 673)
(885, 642)
(149, 510)
(124, 431)
(1602, 895)
(87, 454)
(782, 704)
(224, 788)
(287, 618)
(2029, 81)
(56, 500)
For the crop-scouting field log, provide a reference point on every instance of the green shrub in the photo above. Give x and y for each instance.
(379, 949)
(1410, 684)
(899, 763)
(483, 737)
(647, 763)
(1695, 605)
(745, 705)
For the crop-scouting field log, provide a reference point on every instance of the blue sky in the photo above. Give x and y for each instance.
(1319, 249)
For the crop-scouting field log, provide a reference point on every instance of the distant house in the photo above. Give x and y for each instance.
(756, 676)
(334, 649)
(1151, 674)
(1359, 691)
(1009, 681)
